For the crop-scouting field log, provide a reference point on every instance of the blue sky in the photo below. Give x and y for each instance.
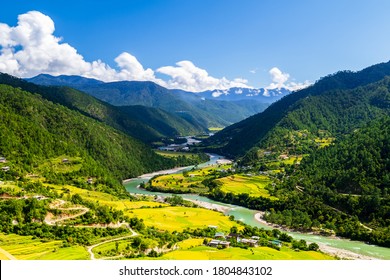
(246, 42)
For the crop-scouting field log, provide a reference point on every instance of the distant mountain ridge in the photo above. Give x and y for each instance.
(206, 109)
(262, 94)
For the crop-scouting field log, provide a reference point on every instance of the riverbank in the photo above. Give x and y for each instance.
(210, 206)
(147, 176)
(335, 252)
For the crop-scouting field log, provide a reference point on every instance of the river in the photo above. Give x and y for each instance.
(247, 216)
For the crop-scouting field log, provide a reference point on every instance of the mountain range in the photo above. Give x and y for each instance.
(205, 109)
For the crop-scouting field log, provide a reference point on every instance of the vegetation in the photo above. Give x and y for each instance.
(249, 184)
(186, 110)
(337, 103)
(143, 123)
(347, 184)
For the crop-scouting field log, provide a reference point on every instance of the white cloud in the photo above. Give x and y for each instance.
(30, 48)
(281, 80)
(185, 75)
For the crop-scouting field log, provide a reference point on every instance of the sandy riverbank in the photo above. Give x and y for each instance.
(151, 175)
(336, 252)
(210, 206)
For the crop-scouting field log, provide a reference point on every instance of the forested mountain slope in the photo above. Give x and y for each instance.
(34, 130)
(144, 123)
(351, 179)
(333, 105)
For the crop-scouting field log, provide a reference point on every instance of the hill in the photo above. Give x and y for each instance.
(144, 123)
(343, 185)
(194, 108)
(35, 132)
(332, 106)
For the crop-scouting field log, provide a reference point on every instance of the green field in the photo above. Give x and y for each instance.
(258, 253)
(28, 248)
(192, 182)
(215, 129)
(62, 164)
(324, 142)
(252, 185)
(174, 154)
(177, 182)
(292, 159)
(179, 218)
(107, 199)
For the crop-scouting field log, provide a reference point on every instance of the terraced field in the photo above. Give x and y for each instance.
(258, 253)
(252, 185)
(179, 218)
(28, 248)
(191, 181)
(106, 199)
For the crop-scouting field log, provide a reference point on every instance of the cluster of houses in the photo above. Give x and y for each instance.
(220, 239)
(4, 168)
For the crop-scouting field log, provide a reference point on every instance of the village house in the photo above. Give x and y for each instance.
(5, 168)
(3, 160)
(249, 242)
(276, 243)
(215, 243)
(219, 235)
(90, 180)
(65, 160)
(234, 236)
(283, 156)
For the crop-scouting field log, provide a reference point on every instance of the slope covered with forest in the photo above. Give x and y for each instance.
(334, 105)
(34, 131)
(343, 185)
(144, 123)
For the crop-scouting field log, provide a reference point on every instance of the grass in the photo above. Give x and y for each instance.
(179, 218)
(258, 253)
(252, 185)
(190, 243)
(28, 248)
(174, 154)
(292, 159)
(192, 183)
(215, 129)
(324, 142)
(57, 164)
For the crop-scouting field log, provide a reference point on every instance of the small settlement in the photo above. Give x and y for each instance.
(223, 241)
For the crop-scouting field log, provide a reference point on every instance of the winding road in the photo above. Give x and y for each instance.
(89, 248)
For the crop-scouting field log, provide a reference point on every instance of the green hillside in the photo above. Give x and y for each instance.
(146, 124)
(343, 185)
(334, 105)
(34, 130)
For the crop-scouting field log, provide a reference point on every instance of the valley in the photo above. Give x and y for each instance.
(308, 178)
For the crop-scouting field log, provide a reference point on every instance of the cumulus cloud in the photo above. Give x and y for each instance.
(187, 76)
(30, 48)
(281, 80)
